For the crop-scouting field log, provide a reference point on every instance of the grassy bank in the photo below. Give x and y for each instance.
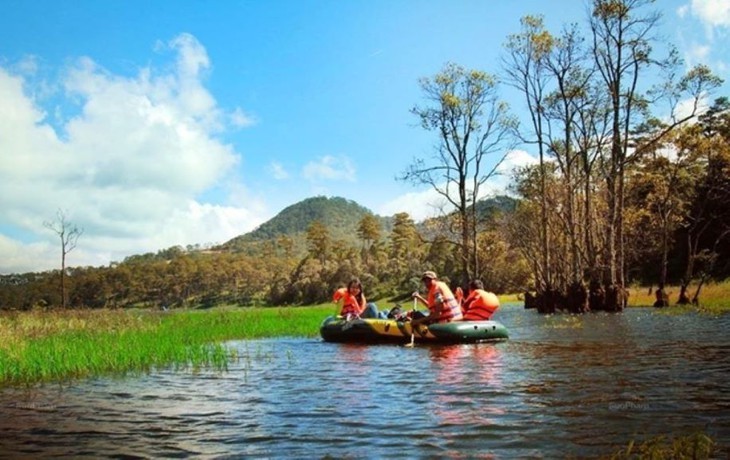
(49, 346)
(714, 297)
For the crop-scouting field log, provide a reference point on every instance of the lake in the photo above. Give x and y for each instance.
(562, 385)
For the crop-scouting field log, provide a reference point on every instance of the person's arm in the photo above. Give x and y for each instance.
(362, 305)
(420, 298)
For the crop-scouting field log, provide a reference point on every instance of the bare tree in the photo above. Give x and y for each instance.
(69, 234)
(472, 124)
(526, 69)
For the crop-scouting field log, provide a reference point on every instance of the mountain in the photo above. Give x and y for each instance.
(339, 215)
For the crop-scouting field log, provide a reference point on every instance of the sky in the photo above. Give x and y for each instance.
(181, 122)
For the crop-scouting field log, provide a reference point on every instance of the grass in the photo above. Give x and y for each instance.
(43, 346)
(714, 297)
(510, 298)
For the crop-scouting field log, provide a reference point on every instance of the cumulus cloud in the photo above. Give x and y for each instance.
(687, 107)
(714, 14)
(516, 159)
(128, 164)
(329, 168)
(419, 205)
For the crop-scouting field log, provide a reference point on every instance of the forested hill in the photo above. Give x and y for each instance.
(487, 209)
(339, 215)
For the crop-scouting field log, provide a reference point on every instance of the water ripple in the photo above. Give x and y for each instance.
(563, 384)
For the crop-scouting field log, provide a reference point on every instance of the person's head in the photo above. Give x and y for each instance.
(354, 287)
(428, 277)
(476, 284)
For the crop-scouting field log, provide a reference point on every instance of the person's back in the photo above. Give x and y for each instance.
(479, 305)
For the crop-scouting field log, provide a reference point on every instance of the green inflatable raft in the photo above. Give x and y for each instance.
(337, 329)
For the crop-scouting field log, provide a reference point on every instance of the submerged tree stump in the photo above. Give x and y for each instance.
(662, 298)
(530, 301)
(596, 296)
(577, 299)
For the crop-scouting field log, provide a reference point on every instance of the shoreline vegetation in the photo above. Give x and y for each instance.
(43, 346)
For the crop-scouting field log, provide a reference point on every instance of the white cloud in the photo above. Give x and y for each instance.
(419, 205)
(20, 258)
(241, 119)
(128, 165)
(516, 159)
(329, 168)
(712, 13)
(278, 171)
(685, 108)
(697, 54)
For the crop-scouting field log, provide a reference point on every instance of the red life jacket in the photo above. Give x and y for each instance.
(450, 308)
(350, 305)
(480, 305)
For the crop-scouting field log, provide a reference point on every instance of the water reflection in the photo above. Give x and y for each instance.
(562, 384)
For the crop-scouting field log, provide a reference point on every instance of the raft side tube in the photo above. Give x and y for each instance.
(337, 329)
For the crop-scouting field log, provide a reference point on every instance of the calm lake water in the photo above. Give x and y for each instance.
(562, 385)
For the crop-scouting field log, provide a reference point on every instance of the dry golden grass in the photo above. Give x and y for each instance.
(714, 297)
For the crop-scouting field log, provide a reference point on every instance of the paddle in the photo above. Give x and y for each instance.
(413, 337)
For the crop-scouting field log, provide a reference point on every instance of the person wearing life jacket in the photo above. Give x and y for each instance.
(441, 303)
(479, 305)
(353, 300)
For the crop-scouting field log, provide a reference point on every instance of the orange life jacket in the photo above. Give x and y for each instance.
(350, 305)
(450, 308)
(480, 305)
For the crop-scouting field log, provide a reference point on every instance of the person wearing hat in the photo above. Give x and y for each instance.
(441, 303)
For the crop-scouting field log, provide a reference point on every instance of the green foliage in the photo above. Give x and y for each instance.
(42, 346)
(340, 216)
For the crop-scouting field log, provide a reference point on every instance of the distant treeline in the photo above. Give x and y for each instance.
(389, 266)
(388, 263)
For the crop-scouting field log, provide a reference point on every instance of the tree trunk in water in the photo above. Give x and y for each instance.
(577, 298)
(696, 296)
(683, 298)
(662, 299)
(596, 296)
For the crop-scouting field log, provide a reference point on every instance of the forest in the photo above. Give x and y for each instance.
(631, 186)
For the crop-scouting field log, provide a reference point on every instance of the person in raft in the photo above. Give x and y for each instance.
(441, 303)
(353, 300)
(479, 305)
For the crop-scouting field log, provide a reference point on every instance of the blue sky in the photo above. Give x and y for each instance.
(164, 123)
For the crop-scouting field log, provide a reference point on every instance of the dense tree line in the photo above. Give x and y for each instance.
(615, 163)
(389, 263)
